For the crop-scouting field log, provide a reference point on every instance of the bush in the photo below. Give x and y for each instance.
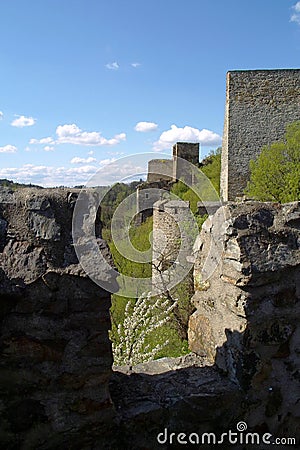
(275, 174)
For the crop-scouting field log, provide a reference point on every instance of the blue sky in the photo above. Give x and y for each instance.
(84, 82)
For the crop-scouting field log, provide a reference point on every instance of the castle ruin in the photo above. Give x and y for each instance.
(162, 173)
(57, 386)
(259, 106)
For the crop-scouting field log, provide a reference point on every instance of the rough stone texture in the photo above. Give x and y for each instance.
(189, 152)
(247, 317)
(160, 169)
(55, 367)
(209, 208)
(172, 241)
(182, 395)
(259, 105)
(170, 169)
(55, 353)
(146, 195)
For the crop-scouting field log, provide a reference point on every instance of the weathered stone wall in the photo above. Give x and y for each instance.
(146, 195)
(170, 169)
(207, 207)
(161, 174)
(259, 105)
(189, 152)
(56, 358)
(247, 316)
(168, 239)
(160, 169)
(55, 353)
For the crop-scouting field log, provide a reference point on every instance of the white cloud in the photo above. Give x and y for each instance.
(63, 176)
(1, 115)
(8, 149)
(72, 134)
(104, 162)
(77, 160)
(297, 7)
(48, 148)
(135, 64)
(295, 17)
(145, 126)
(49, 176)
(112, 66)
(47, 140)
(187, 134)
(22, 121)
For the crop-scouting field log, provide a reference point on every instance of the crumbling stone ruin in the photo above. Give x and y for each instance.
(56, 356)
(247, 311)
(172, 243)
(57, 387)
(160, 169)
(170, 169)
(162, 173)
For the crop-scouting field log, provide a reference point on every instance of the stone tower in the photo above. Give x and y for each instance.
(161, 174)
(259, 105)
(189, 152)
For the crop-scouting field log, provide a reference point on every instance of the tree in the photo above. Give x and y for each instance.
(211, 167)
(129, 343)
(275, 174)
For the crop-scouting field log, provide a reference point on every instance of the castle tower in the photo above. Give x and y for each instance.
(161, 174)
(259, 105)
(174, 233)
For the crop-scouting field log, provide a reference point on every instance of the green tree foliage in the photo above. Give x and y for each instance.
(211, 167)
(114, 196)
(179, 189)
(275, 174)
(12, 185)
(171, 331)
(140, 239)
(130, 341)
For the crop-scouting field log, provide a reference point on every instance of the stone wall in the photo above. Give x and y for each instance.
(170, 169)
(57, 388)
(189, 152)
(162, 173)
(247, 309)
(171, 242)
(146, 195)
(259, 105)
(55, 353)
(160, 169)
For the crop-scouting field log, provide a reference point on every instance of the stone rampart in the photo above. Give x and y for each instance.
(56, 357)
(247, 316)
(57, 388)
(160, 169)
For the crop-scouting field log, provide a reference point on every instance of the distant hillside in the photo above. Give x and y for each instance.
(11, 184)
